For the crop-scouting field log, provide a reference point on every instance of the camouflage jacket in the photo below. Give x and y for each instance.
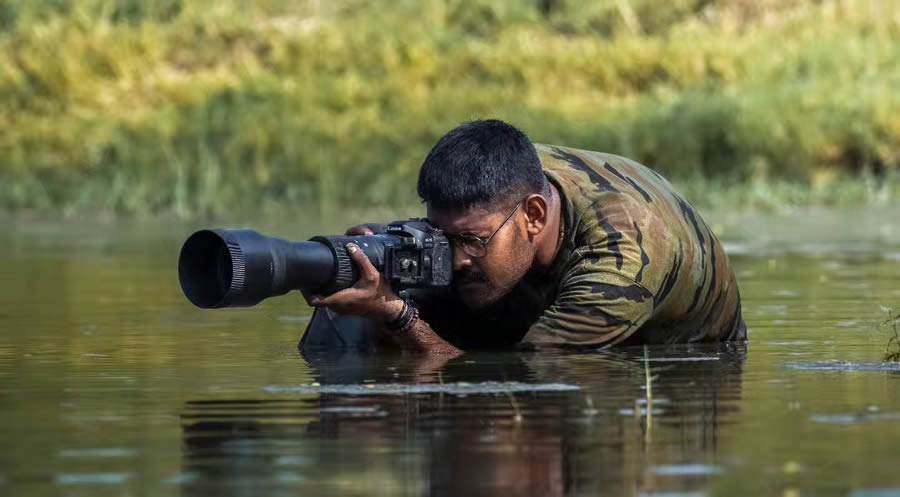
(636, 264)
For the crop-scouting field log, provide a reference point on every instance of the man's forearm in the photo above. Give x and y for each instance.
(420, 337)
(401, 322)
(427, 340)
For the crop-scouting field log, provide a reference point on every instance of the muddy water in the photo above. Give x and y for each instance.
(112, 384)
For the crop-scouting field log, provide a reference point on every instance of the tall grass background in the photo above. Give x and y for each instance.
(198, 107)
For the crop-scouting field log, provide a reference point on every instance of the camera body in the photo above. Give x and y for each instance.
(410, 254)
(421, 259)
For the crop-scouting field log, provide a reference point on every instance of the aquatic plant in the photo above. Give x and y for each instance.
(892, 350)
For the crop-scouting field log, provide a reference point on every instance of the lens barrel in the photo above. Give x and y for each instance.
(240, 267)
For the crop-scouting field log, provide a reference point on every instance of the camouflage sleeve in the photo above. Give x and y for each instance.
(595, 306)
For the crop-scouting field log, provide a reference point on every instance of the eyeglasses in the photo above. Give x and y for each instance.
(476, 246)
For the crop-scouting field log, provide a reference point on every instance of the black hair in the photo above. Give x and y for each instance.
(486, 163)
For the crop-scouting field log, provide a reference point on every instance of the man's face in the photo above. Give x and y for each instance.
(480, 281)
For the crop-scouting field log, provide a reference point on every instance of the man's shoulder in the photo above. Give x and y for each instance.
(620, 217)
(606, 194)
(559, 158)
(587, 176)
(562, 150)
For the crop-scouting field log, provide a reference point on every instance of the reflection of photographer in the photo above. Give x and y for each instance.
(425, 444)
(517, 444)
(550, 246)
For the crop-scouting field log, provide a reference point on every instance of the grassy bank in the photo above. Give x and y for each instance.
(204, 106)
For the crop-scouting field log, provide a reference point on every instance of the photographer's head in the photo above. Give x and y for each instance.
(484, 186)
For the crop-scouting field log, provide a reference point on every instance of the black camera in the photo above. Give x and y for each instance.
(240, 267)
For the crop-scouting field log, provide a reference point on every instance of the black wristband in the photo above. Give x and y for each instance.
(414, 316)
(408, 315)
(397, 322)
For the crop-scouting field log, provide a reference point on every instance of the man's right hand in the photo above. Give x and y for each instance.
(359, 229)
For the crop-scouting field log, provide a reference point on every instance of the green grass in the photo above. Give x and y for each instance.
(205, 107)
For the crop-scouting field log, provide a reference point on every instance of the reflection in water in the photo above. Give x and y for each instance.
(610, 437)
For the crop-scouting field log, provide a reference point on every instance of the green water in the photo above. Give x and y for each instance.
(112, 384)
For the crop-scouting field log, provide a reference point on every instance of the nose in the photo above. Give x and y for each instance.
(461, 259)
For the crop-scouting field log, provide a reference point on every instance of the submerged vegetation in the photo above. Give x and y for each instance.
(203, 106)
(892, 351)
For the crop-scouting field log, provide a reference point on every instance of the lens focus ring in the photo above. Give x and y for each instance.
(344, 274)
(344, 269)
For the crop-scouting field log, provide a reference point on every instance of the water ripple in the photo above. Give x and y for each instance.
(459, 388)
(836, 365)
(672, 494)
(104, 452)
(854, 418)
(685, 469)
(681, 359)
(93, 478)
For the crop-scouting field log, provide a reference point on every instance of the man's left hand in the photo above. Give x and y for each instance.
(371, 296)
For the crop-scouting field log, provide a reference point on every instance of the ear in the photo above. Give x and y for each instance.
(536, 208)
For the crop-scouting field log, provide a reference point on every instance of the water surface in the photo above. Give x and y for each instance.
(112, 384)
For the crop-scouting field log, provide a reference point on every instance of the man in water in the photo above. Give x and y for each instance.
(553, 246)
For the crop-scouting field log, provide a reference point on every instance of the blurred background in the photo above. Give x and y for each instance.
(206, 107)
(127, 124)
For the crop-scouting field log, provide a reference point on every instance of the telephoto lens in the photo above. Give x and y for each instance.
(240, 267)
(231, 268)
